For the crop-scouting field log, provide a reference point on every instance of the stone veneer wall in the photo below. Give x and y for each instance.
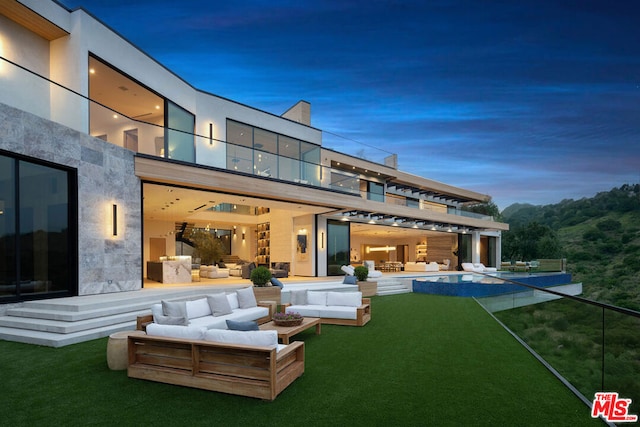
(105, 176)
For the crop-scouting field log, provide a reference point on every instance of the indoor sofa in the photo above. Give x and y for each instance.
(333, 308)
(247, 363)
(210, 312)
(421, 266)
(213, 272)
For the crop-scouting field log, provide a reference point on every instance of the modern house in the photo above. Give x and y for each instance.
(108, 160)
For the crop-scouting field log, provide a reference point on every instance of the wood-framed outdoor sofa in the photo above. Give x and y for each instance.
(328, 314)
(253, 371)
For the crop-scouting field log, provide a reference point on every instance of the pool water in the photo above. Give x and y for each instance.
(480, 285)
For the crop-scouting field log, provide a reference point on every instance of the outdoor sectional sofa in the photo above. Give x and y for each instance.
(333, 308)
(218, 360)
(211, 312)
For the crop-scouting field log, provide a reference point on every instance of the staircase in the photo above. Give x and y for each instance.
(64, 321)
(394, 286)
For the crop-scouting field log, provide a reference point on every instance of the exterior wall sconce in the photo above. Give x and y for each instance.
(243, 235)
(322, 240)
(234, 230)
(114, 220)
(210, 133)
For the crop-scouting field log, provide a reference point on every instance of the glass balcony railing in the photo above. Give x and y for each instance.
(593, 346)
(25, 90)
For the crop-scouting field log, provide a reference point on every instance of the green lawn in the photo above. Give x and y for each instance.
(422, 360)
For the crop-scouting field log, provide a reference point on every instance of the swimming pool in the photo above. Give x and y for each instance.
(480, 285)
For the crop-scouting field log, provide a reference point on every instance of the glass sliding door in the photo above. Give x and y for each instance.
(337, 246)
(8, 243)
(39, 238)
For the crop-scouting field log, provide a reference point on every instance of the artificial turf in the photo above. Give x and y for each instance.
(422, 360)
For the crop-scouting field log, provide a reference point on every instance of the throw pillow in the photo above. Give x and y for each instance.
(316, 298)
(246, 298)
(348, 299)
(350, 280)
(233, 300)
(222, 265)
(219, 304)
(276, 282)
(174, 308)
(198, 308)
(239, 325)
(298, 297)
(171, 320)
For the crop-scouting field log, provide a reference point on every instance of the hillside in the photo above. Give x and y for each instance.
(599, 236)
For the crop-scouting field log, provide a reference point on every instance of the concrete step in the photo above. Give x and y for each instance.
(36, 312)
(393, 287)
(393, 292)
(51, 339)
(64, 327)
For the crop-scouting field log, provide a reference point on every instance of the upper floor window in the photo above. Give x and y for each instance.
(261, 152)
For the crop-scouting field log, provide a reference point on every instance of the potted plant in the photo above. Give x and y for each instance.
(261, 276)
(262, 288)
(287, 319)
(361, 272)
(368, 288)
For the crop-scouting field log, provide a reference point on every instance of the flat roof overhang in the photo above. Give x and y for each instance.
(224, 181)
(31, 20)
(335, 202)
(403, 216)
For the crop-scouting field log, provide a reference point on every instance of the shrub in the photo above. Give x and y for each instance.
(361, 272)
(260, 276)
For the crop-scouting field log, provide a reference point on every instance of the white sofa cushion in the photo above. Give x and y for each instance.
(257, 338)
(220, 322)
(316, 297)
(198, 308)
(233, 300)
(339, 312)
(246, 297)
(174, 331)
(349, 299)
(333, 312)
(306, 310)
(219, 304)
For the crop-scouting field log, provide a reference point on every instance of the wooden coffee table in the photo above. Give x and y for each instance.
(286, 332)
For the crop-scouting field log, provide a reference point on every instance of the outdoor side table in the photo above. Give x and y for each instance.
(117, 349)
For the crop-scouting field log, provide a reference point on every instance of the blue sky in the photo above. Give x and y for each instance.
(528, 101)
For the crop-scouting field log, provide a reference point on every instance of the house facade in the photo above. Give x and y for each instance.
(108, 161)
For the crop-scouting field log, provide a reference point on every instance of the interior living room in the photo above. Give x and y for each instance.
(264, 232)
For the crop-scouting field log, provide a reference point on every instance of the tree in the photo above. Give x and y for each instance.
(487, 208)
(530, 241)
(206, 247)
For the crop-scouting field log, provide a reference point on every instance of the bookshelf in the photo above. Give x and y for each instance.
(264, 244)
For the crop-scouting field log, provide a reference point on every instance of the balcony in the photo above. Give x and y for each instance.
(23, 89)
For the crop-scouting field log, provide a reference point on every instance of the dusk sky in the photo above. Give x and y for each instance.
(527, 101)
